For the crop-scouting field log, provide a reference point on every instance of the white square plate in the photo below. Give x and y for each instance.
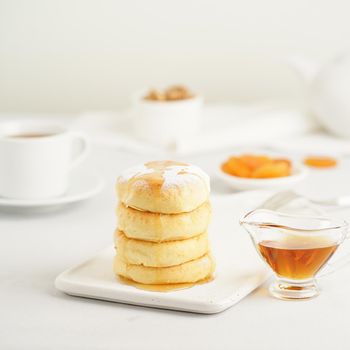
(239, 269)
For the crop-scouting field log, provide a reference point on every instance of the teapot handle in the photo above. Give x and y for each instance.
(306, 68)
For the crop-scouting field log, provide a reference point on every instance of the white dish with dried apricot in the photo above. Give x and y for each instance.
(260, 171)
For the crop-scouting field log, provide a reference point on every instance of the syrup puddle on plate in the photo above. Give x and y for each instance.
(162, 287)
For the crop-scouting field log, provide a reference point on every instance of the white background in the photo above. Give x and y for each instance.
(75, 55)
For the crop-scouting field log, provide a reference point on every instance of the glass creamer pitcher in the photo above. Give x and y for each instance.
(295, 247)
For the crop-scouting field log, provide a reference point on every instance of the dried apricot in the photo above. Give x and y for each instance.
(271, 170)
(225, 168)
(257, 166)
(283, 160)
(234, 166)
(254, 161)
(320, 162)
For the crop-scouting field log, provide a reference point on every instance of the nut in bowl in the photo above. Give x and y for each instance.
(260, 171)
(161, 117)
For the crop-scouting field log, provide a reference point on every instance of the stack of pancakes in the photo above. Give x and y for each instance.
(163, 216)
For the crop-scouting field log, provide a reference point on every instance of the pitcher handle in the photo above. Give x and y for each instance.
(336, 264)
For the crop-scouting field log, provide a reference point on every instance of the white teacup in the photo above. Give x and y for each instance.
(36, 159)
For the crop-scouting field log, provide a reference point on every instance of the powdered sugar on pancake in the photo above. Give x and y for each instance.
(176, 175)
(179, 175)
(136, 171)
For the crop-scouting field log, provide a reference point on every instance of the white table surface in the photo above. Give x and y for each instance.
(34, 249)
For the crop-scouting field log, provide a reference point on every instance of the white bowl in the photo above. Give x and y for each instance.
(162, 123)
(299, 172)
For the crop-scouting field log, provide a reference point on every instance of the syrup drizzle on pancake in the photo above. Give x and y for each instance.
(163, 287)
(165, 173)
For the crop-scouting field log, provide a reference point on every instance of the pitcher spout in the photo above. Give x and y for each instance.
(252, 220)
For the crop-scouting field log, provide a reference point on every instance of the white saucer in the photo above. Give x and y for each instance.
(82, 186)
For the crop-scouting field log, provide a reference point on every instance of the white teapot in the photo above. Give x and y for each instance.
(328, 91)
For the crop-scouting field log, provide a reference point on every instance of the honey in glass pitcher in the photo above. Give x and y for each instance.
(297, 258)
(295, 247)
